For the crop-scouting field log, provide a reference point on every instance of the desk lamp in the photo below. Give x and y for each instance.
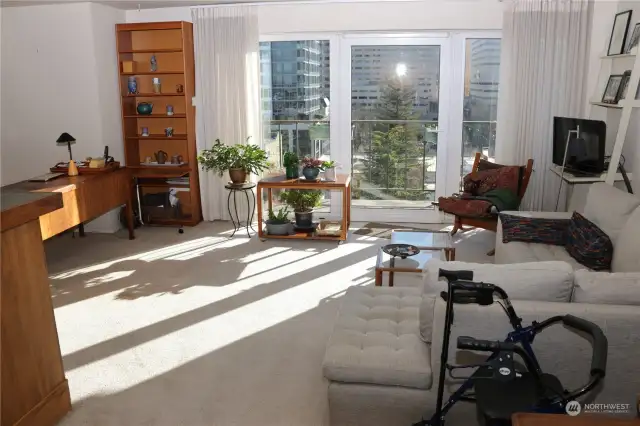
(66, 138)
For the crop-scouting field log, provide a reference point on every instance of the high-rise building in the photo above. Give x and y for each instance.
(482, 79)
(372, 67)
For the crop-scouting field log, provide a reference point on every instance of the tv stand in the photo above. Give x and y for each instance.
(576, 187)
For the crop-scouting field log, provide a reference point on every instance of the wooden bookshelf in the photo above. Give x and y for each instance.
(172, 45)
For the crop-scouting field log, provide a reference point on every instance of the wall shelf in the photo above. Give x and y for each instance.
(605, 105)
(172, 42)
(155, 116)
(151, 95)
(158, 137)
(170, 50)
(622, 56)
(151, 72)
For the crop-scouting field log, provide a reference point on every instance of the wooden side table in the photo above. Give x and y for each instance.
(535, 419)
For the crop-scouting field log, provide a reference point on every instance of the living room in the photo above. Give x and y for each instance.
(188, 240)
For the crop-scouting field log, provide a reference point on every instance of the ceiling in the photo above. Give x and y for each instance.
(123, 4)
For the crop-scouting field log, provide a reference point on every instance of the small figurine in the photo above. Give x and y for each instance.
(132, 85)
(169, 109)
(154, 63)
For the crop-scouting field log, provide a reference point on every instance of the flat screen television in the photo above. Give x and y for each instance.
(585, 153)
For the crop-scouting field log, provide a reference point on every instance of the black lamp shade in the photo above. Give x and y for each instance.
(66, 138)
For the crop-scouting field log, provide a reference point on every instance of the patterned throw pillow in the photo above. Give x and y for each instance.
(534, 230)
(588, 244)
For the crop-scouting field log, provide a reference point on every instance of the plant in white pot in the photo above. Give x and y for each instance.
(329, 168)
(302, 201)
(240, 160)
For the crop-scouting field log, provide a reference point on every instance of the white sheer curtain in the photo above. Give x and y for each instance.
(227, 48)
(545, 45)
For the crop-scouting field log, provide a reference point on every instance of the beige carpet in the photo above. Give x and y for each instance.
(199, 329)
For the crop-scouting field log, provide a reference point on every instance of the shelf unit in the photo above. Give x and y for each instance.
(625, 106)
(172, 45)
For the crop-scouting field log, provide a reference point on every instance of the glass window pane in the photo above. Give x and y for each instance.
(395, 107)
(481, 81)
(295, 81)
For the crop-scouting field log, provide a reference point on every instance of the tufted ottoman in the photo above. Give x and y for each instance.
(378, 367)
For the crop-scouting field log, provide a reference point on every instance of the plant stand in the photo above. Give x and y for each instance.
(245, 188)
(342, 183)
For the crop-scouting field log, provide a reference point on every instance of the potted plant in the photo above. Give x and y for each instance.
(329, 168)
(290, 162)
(302, 201)
(311, 167)
(278, 223)
(240, 160)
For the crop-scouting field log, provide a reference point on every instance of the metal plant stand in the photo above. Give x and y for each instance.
(244, 188)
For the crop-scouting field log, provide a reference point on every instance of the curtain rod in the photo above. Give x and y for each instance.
(293, 2)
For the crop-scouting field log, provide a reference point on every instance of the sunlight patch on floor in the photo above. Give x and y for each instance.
(82, 324)
(158, 356)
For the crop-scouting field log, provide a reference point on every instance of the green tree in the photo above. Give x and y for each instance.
(395, 151)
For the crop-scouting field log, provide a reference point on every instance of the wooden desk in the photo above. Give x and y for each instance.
(342, 183)
(85, 197)
(33, 388)
(534, 419)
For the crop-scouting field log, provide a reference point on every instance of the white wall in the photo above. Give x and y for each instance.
(359, 16)
(599, 72)
(58, 75)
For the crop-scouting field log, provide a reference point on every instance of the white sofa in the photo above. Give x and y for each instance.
(616, 212)
(382, 360)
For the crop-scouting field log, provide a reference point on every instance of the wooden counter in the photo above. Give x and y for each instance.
(33, 387)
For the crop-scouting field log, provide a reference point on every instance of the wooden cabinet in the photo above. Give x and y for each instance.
(170, 44)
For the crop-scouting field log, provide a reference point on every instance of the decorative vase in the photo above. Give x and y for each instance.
(132, 85)
(238, 176)
(304, 219)
(169, 109)
(311, 173)
(278, 228)
(157, 86)
(292, 172)
(330, 174)
(144, 108)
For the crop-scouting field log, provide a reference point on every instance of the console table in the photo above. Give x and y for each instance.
(342, 183)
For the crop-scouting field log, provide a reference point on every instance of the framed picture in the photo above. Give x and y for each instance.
(634, 39)
(612, 90)
(617, 43)
(624, 85)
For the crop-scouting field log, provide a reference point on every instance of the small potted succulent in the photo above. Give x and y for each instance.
(278, 223)
(329, 168)
(240, 160)
(302, 201)
(291, 163)
(311, 167)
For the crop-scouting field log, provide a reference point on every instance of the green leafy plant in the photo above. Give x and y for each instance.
(328, 164)
(281, 217)
(221, 158)
(302, 200)
(290, 159)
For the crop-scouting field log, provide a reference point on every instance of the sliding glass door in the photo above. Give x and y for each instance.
(398, 98)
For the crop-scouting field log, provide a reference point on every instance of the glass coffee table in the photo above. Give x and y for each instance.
(432, 244)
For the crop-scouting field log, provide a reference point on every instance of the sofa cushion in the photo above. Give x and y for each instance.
(588, 244)
(621, 288)
(543, 281)
(626, 256)
(375, 339)
(533, 230)
(609, 208)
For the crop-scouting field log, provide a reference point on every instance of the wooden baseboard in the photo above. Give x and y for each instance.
(51, 409)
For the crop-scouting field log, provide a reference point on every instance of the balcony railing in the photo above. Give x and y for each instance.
(391, 160)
